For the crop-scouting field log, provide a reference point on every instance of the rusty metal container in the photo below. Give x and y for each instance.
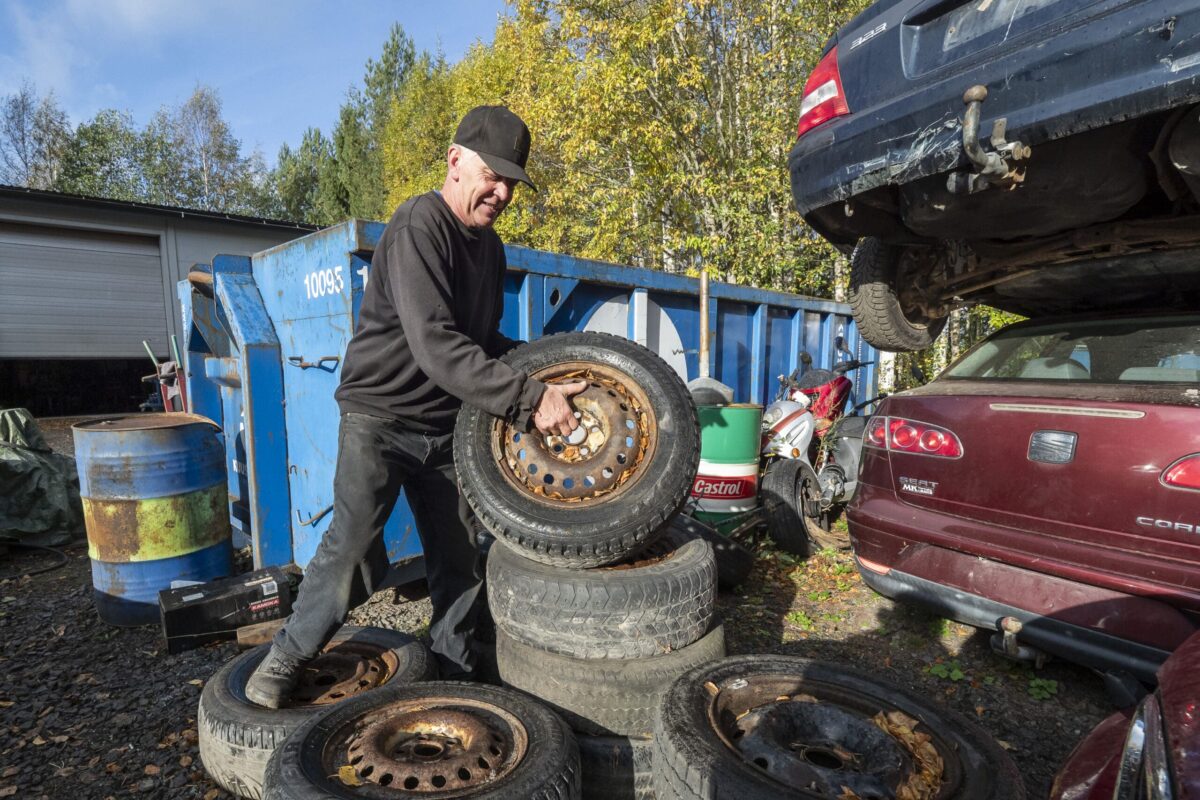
(155, 505)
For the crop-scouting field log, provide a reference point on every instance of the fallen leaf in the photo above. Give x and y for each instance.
(196, 682)
(979, 711)
(8, 791)
(212, 794)
(6, 703)
(9, 772)
(59, 739)
(348, 776)
(151, 769)
(112, 768)
(1004, 744)
(185, 761)
(38, 741)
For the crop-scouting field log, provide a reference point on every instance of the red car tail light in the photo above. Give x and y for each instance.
(908, 436)
(1184, 473)
(823, 95)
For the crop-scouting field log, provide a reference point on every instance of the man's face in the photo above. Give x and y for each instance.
(484, 194)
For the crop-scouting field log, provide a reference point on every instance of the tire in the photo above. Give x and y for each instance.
(616, 767)
(237, 737)
(601, 696)
(734, 562)
(692, 760)
(546, 767)
(789, 490)
(570, 524)
(632, 610)
(875, 301)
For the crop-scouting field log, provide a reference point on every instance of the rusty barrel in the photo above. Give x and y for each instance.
(155, 506)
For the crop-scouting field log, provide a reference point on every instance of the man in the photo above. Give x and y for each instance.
(426, 340)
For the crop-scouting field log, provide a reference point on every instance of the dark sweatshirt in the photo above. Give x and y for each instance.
(427, 337)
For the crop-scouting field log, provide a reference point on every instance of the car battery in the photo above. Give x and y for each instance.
(208, 612)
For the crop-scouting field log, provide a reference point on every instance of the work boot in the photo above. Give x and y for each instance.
(271, 684)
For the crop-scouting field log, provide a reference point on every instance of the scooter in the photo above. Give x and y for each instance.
(812, 454)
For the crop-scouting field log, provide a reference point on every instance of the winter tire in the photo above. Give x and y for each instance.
(237, 737)
(734, 562)
(597, 501)
(616, 767)
(660, 600)
(436, 740)
(601, 696)
(877, 281)
(757, 727)
(791, 500)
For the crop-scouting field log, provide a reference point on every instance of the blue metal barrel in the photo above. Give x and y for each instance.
(155, 506)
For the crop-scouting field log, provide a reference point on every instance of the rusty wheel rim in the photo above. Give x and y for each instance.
(619, 437)
(822, 736)
(435, 746)
(343, 670)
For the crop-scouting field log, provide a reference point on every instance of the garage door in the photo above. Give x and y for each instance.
(67, 293)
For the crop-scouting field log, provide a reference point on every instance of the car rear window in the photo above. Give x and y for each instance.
(1142, 350)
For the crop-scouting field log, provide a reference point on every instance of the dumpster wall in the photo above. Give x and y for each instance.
(264, 357)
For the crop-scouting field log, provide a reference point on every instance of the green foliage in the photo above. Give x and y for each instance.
(950, 671)
(800, 620)
(1042, 689)
(104, 159)
(660, 131)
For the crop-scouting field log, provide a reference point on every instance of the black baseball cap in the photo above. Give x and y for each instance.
(500, 138)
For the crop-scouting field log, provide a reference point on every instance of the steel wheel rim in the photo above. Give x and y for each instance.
(799, 732)
(621, 432)
(343, 670)
(432, 747)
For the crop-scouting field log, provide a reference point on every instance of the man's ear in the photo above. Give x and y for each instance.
(453, 161)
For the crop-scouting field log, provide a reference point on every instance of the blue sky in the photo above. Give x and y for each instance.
(279, 65)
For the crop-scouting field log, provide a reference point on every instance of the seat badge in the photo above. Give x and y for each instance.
(1052, 447)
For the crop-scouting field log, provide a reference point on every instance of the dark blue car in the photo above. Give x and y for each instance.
(1039, 156)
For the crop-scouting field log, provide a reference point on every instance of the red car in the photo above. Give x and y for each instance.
(1152, 752)
(1047, 486)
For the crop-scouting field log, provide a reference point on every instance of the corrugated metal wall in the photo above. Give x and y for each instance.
(71, 293)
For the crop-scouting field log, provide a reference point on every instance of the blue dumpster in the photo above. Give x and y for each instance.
(266, 336)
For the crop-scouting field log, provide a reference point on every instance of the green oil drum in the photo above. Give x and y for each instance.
(726, 488)
(155, 506)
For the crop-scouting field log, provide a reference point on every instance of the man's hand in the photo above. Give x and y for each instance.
(553, 412)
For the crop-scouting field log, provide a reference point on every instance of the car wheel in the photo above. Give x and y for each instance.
(878, 277)
(593, 502)
(433, 739)
(791, 500)
(660, 600)
(237, 737)
(616, 767)
(601, 696)
(734, 561)
(758, 727)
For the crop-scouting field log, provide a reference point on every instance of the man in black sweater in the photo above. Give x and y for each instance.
(427, 340)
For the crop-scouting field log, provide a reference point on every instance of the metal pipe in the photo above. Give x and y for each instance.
(703, 372)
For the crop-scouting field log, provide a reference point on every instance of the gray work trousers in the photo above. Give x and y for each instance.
(378, 457)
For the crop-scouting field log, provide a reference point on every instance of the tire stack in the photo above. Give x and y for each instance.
(600, 600)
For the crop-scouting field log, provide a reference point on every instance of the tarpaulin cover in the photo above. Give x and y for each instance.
(39, 489)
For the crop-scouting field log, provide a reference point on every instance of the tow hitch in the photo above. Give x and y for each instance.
(1005, 643)
(999, 168)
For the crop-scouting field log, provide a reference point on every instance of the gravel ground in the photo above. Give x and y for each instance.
(90, 711)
